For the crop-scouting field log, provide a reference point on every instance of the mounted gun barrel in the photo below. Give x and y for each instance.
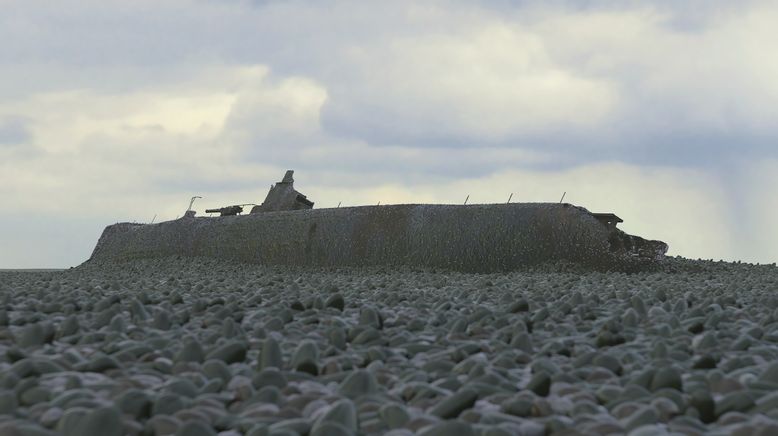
(226, 211)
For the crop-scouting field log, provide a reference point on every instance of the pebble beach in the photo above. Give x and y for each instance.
(195, 347)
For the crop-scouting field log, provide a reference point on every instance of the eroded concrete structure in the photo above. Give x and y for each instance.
(478, 238)
(283, 196)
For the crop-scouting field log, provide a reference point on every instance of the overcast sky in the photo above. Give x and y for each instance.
(664, 112)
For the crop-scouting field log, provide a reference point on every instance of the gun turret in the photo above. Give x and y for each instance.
(226, 211)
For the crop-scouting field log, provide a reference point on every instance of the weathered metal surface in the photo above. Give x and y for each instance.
(227, 210)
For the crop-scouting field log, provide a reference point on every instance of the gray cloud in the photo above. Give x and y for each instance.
(132, 107)
(14, 131)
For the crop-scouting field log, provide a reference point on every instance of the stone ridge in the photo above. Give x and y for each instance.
(474, 238)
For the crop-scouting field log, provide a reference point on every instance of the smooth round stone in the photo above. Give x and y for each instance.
(181, 386)
(335, 301)
(540, 384)
(34, 335)
(497, 431)
(394, 415)
(71, 422)
(644, 415)
(705, 406)
(370, 317)
(274, 324)
(608, 339)
(738, 401)
(706, 341)
(518, 406)
(453, 405)
(105, 421)
(269, 394)
(270, 356)
(609, 362)
(231, 352)
(459, 326)
(358, 383)
(162, 425)
(298, 426)
(258, 430)
(269, 377)
(169, 403)
(35, 395)
(667, 377)
(369, 335)
(195, 428)
(520, 305)
(770, 374)
(8, 402)
(448, 428)
(162, 320)
(134, 402)
(20, 428)
(705, 361)
(101, 363)
(665, 408)
(630, 318)
(68, 327)
(217, 369)
(523, 341)
(330, 428)
(648, 430)
(51, 417)
(191, 351)
(343, 413)
(337, 338)
(212, 386)
(305, 357)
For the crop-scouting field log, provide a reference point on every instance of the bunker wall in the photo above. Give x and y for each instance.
(466, 238)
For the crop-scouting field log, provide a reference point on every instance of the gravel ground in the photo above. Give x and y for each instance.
(199, 347)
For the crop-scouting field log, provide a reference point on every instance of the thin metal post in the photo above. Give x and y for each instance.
(509, 198)
(191, 202)
(338, 204)
(467, 198)
(563, 196)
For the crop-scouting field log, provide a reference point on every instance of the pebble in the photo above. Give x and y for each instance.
(343, 413)
(394, 415)
(540, 384)
(358, 383)
(335, 301)
(195, 428)
(8, 402)
(271, 356)
(667, 377)
(447, 428)
(231, 352)
(134, 402)
(453, 405)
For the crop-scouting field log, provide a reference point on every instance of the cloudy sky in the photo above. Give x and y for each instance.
(664, 112)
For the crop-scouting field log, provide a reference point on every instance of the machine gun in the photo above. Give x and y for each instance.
(228, 210)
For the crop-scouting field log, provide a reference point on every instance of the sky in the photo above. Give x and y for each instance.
(663, 112)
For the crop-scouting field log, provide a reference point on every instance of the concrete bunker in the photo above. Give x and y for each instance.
(286, 230)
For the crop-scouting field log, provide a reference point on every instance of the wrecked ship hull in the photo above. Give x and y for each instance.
(474, 238)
